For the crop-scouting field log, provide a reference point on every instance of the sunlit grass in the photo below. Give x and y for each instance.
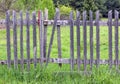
(65, 42)
(46, 76)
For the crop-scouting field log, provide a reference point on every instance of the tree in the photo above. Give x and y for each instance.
(61, 2)
(30, 4)
(101, 7)
(82, 5)
(89, 5)
(6, 5)
(49, 5)
(112, 5)
(77, 4)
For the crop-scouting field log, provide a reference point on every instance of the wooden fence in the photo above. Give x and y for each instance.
(45, 56)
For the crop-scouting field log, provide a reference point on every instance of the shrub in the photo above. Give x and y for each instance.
(49, 5)
(65, 11)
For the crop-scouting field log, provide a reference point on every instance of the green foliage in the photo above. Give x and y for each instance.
(100, 5)
(54, 75)
(82, 5)
(61, 2)
(28, 4)
(112, 5)
(77, 4)
(103, 5)
(36, 5)
(89, 5)
(65, 12)
(49, 5)
(18, 5)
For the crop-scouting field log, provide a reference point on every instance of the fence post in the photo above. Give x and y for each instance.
(59, 38)
(110, 37)
(41, 37)
(45, 30)
(34, 38)
(78, 38)
(46, 14)
(116, 39)
(97, 39)
(71, 41)
(15, 40)
(52, 37)
(21, 41)
(91, 39)
(8, 39)
(28, 39)
(85, 40)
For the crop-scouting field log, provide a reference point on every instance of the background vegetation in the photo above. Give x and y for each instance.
(103, 5)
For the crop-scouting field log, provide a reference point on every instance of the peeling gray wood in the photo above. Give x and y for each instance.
(62, 60)
(45, 38)
(15, 40)
(110, 37)
(46, 14)
(45, 32)
(78, 39)
(97, 38)
(116, 38)
(8, 39)
(66, 22)
(59, 39)
(91, 39)
(41, 37)
(34, 39)
(85, 39)
(21, 41)
(71, 41)
(28, 40)
(52, 37)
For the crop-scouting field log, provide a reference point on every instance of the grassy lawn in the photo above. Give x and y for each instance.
(50, 75)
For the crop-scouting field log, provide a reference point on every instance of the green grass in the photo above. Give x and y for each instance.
(56, 75)
(48, 76)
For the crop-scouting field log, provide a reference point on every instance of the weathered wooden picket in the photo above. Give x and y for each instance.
(44, 56)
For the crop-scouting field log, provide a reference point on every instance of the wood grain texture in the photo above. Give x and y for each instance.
(62, 60)
(91, 39)
(15, 40)
(78, 39)
(8, 39)
(52, 37)
(110, 37)
(71, 41)
(34, 39)
(28, 40)
(97, 39)
(21, 41)
(116, 38)
(85, 39)
(59, 39)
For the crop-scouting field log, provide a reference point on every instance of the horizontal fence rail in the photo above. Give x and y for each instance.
(63, 61)
(45, 55)
(66, 22)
